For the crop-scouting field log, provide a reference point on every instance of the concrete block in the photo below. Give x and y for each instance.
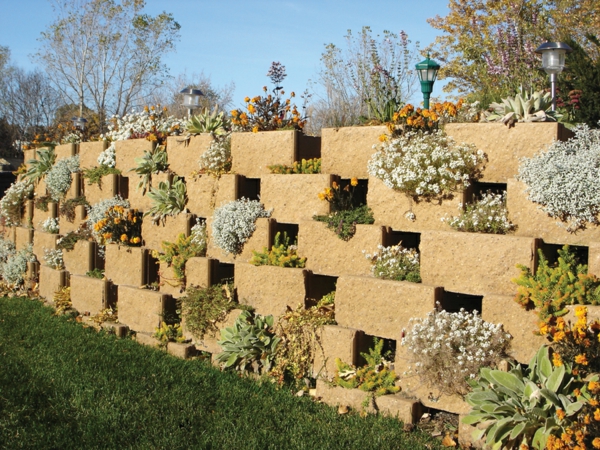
(22, 237)
(66, 226)
(89, 295)
(336, 342)
(154, 234)
(396, 405)
(108, 188)
(207, 193)
(198, 271)
(40, 216)
(89, 152)
(184, 154)
(27, 213)
(252, 153)
(148, 340)
(51, 281)
(81, 259)
(169, 284)
(43, 241)
(180, 350)
(137, 197)
(142, 309)
(126, 265)
(127, 151)
(339, 396)
(120, 330)
(65, 151)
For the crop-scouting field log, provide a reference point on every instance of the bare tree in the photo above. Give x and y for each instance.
(105, 53)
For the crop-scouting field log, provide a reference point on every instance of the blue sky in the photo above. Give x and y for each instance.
(236, 40)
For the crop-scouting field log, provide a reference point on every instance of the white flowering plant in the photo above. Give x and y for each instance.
(446, 350)
(199, 234)
(58, 178)
(234, 223)
(487, 215)
(426, 165)
(565, 180)
(152, 123)
(15, 267)
(217, 159)
(107, 157)
(11, 205)
(395, 263)
(97, 212)
(54, 259)
(50, 225)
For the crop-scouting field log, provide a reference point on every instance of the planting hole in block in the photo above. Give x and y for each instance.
(249, 188)
(550, 251)
(290, 228)
(479, 188)
(407, 239)
(454, 301)
(221, 272)
(317, 287)
(308, 147)
(360, 191)
(367, 342)
(152, 268)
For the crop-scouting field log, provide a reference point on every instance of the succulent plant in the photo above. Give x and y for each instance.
(154, 161)
(212, 122)
(169, 199)
(40, 166)
(526, 106)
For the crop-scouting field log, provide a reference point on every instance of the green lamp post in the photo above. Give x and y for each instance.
(427, 71)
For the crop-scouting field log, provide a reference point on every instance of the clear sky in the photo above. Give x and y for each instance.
(236, 40)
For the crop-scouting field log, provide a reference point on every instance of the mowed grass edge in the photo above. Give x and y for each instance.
(66, 386)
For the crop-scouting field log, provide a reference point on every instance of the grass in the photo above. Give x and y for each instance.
(64, 386)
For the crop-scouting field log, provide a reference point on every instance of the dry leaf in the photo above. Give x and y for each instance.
(448, 441)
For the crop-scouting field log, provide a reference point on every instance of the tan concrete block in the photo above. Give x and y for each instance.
(593, 313)
(207, 193)
(270, 289)
(43, 241)
(80, 216)
(8, 233)
(127, 151)
(339, 396)
(327, 254)
(89, 153)
(335, 342)
(405, 410)
(108, 188)
(382, 307)
(75, 190)
(519, 323)
(28, 155)
(390, 208)
(184, 154)
(259, 239)
(23, 237)
(118, 329)
(430, 396)
(473, 263)
(180, 350)
(198, 271)
(89, 295)
(169, 284)
(532, 221)
(346, 151)
(40, 216)
(147, 339)
(51, 281)
(141, 309)
(65, 151)
(294, 198)
(81, 259)
(252, 153)
(138, 199)
(153, 235)
(27, 213)
(594, 258)
(126, 265)
(40, 189)
(504, 146)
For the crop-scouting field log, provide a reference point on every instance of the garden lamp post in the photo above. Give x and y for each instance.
(427, 71)
(553, 62)
(79, 121)
(191, 99)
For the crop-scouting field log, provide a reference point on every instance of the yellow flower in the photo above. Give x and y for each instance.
(559, 336)
(543, 328)
(581, 359)
(354, 181)
(597, 415)
(596, 442)
(135, 240)
(560, 414)
(107, 236)
(580, 311)
(321, 196)
(234, 112)
(247, 99)
(593, 386)
(383, 138)
(255, 129)
(251, 109)
(123, 237)
(556, 360)
(117, 220)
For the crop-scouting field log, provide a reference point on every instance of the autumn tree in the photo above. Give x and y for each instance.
(105, 53)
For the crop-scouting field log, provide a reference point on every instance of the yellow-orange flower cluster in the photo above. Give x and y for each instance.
(120, 225)
(267, 113)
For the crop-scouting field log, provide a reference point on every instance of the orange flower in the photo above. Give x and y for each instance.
(556, 360)
(559, 336)
(597, 415)
(255, 129)
(383, 138)
(581, 359)
(560, 414)
(247, 99)
(251, 109)
(581, 311)
(596, 442)
(135, 240)
(594, 386)
(354, 181)
(123, 237)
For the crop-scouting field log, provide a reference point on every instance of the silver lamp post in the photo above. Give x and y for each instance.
(553, 62)
(191, 99)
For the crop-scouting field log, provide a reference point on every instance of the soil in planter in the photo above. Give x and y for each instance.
(249, 188)
(440, 424)
(317, 287)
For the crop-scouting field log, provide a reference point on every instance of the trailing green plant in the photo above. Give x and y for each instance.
(94, 175)
(153, 162)
(168, 333)
(282, 254)
(176, 255)
(41, 202)
(59, 177)
(202, 307)
(67, 207)
(525, 407)
(376, 377)
(300, 342)
(526, 106)
(486, 215)
(40, 166)
(305, 166)
(249, 344)
(554, 287)
(68, 241)
(395, 263)
(95, 273)
(11, 205)
(213, 122)
(343, 223)
(168, 199)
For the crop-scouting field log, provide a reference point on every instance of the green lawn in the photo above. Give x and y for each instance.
(64, 386)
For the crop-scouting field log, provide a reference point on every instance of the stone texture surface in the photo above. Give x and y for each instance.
(259, 239)
(27, 213)
(81, 259)
(252, 153)
(40, 189)
(136, 196)
(51, 281)
(153, 235)
(28, 155)
(169, 284)
(390, 208)
(80, 216)
(147, 339)
(75, 190)
(89, 295)
(472, 263)
(126, 265)
(506, 146)
(594, 258)
(207, 193)
(294, 198)
(198, 271)
(43, 241)
(185, 154)
(519, 323)
(141, 309)
(23, 237)
(336, 342)
(120, 330)
(208, 342)
(40, 216)
(532, 221)
(64, 151)
(270, 289)
(405, 410)
(127, 151)
(108, 188)
(327, 254)
(89, 152)
(339, 396)
(180, 350)
(346, 151)
(382, 307)
(429, 396)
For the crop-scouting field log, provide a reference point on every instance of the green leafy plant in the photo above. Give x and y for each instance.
(395, 263)
(39, 167)
(41, 202)
(176, 255)
(154, 161)
(68, 241)
(67, 207)
(551, 289)
(168, 333)
(249, 343)
(94, 175)
(282, 254)
(305, 166)
(95, 273)
(526, 106)
(525, 406)
(343, 223)
(213, 122)
(169, 199)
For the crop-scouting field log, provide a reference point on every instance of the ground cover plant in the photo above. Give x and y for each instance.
(395, 263)
(486, 215)
(65, 386)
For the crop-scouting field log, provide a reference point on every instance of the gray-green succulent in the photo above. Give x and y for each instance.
(169, 199)
(154, 161)
(526, 106)
(213, 122)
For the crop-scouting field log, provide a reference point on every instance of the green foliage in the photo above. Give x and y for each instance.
(551, 289)
(343, 223)
(94, 175)
(39, 167)
(154, 161)
(169, 333)
(68, 241)
(282, 254)
(41, 203)
(67, 207)
(95, 273)
(169, 199)
(306, 166)
(208, 122)
(524, 406)
(526, 106)
(250, 343)
(176, 254)
(203, 307)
